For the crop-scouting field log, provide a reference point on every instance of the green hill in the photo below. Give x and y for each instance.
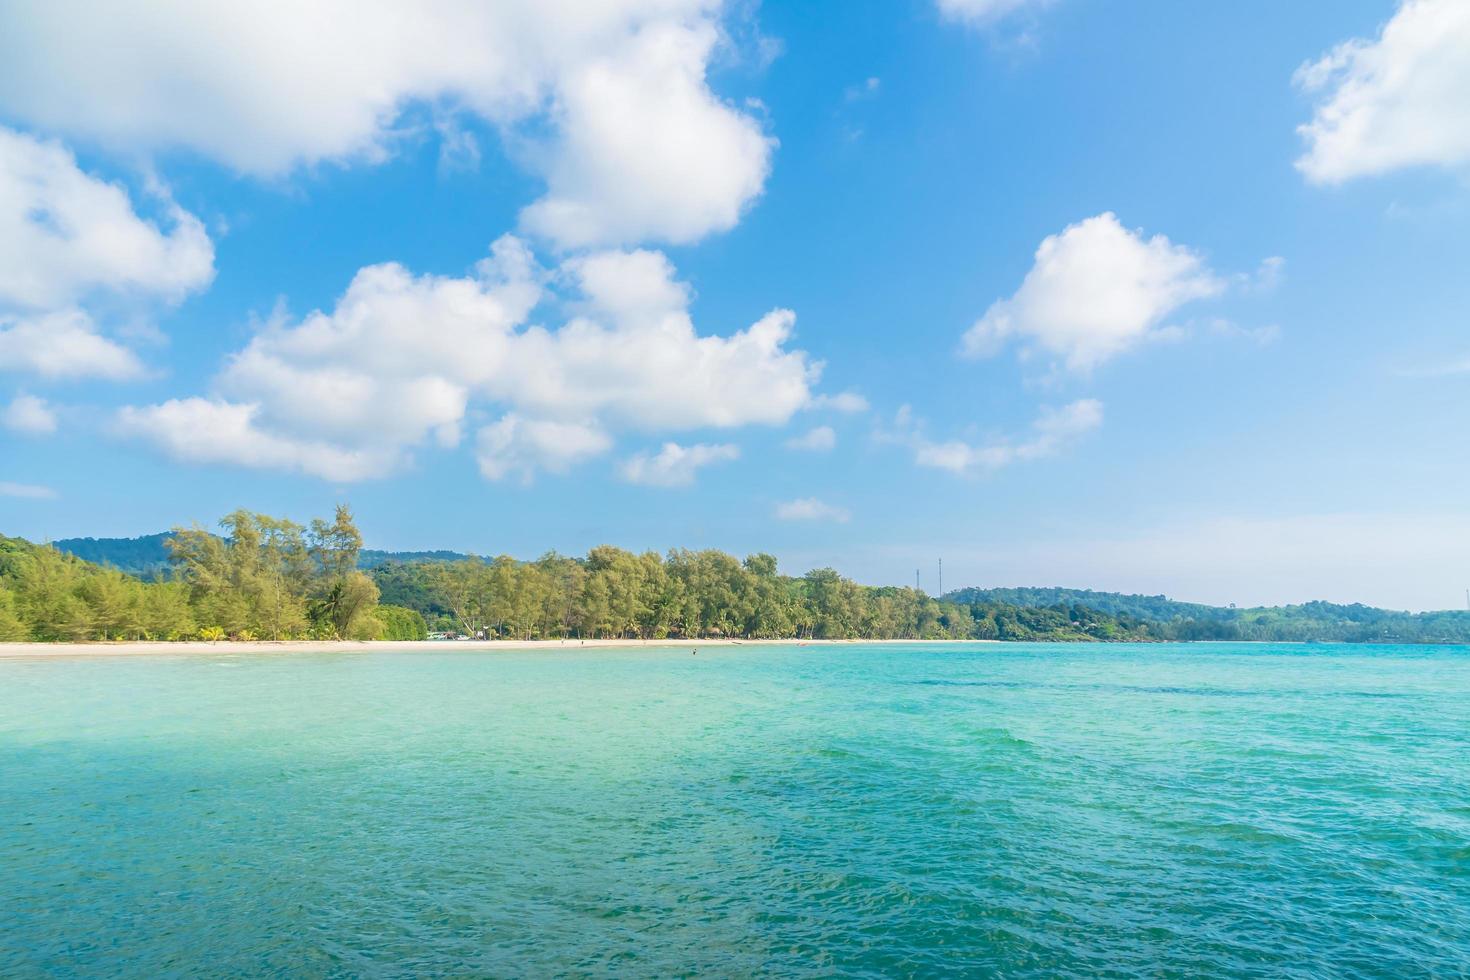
(141, 556)
(1310, 621)
(146, 556)
(1154, 608)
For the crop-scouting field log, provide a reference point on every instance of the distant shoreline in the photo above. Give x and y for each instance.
(143, 648)
(153, 648)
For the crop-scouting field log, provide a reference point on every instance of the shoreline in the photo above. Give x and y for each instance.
(195, 648)
(148, 648)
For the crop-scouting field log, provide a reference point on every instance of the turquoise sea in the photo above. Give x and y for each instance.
(1008, 810)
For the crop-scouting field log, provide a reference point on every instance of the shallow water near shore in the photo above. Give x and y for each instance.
(1024, 810)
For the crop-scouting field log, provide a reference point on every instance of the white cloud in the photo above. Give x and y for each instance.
(400, 360)
(1269, 274)
(204, 431)
(64, 234)
(29, 416)
(1095, 290)
(63, 345)
(645, 150)
(67, 237)
(606, 99)
(459, 150)
(1402, 100)
(633, 357)
(1054, 429)
(812, 509)
(518, 446)
(843, 401)
(819, 440)
(675, 465)
(29, 491)
(979, 12)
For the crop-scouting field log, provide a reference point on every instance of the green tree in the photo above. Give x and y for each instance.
(12, 628)
(343, 597)
(114, 605)
(400, 623)
(165, 612)
(46, 586)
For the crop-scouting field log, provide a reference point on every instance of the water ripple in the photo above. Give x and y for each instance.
(1037, 811)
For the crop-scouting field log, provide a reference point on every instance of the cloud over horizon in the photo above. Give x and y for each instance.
(399, 361)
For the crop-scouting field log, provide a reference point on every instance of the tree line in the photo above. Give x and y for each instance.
(269, 578)
(1301, 622)
(263, 578)
(613, 593)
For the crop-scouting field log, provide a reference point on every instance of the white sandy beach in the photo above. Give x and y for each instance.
(227, 647)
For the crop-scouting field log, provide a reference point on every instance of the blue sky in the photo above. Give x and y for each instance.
(1151, 296)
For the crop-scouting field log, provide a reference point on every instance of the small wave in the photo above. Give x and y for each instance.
(1190, 691)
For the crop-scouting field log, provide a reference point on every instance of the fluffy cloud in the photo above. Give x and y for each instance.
(1053, 429)
(29, 416)
(819, 440)
(843, 401)
(633, 356)
(64, 233)
(1399, 101)
(204, 431)
(812, 509)
(519, 446)
(606, 99)
(1095, 290)
(675, 465)
(977, 12)
(645, 150)
(400, 360)
(64, 345)
(67, 237)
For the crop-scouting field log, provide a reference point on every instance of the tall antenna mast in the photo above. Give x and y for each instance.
(916, 581)
(941, 581)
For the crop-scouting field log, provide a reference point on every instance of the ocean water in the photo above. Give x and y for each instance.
(1007, 810)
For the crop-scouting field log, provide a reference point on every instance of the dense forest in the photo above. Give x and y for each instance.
(261, 577)
(148, 555)
(616, 593)
(1305, 622)
(266, 578)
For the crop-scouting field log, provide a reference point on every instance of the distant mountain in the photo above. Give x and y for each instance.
(371, 558)
(142, 557)
(1155, 608)
(146, 556)
(1308, 621)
